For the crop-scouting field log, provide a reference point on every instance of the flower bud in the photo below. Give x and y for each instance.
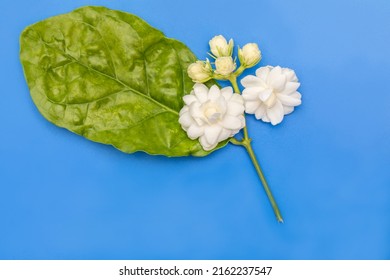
(220, 47)
(224, 65)
(249, 55)
(200, 71)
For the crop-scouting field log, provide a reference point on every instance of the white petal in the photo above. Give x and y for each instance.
(227, 92)
(231, 122)
(251, 81)
(201, 91)
(290, 74)
(225, 134)
(196, 113)
(290, 87)
(263, 72)
(195, 110)
(200, 87)
(288, 109)
(205, 145)
(252, 93)
(189, 98)
(275, 72)
(237, 98)
(242, 120)
(265, 118)
(222, 104)
(214, 93)
(260, 112)
(289, 100)
(296, 95)
(235, 109)
(185, 119)
(278, 83)
(194, 131)
(184, 110)
(265, 94)
(276, 113)
(251, 106)
(212, 133)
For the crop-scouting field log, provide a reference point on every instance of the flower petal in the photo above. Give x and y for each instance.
(205, 145)
(252, 93)
(189, 98)
(274, 73)
(185, 119)
(227, 92)
(222, 104)
(251, 106)
(235, 109)
(265, 94)
(201, 91)
(290, 74)
(276, 113)
(260, 111)
(242, 120)
(265, 118)
(296, 95)
(263, 72)
(195, 110)
(212, 133)
(225, 134)
(194, 131)
(251, 81)
(214, 93)
(183, 110)
(290, 87)
(289, 100)
(230, 122)
(278, 83)
(237, 98)
(288, 109)
(196, 113)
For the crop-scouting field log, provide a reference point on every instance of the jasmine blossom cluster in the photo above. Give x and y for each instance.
(269, 95)
(221, 51)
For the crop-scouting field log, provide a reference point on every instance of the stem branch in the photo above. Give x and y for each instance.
(264, 182)
(246, 143)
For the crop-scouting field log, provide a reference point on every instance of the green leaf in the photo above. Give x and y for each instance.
(112, 78)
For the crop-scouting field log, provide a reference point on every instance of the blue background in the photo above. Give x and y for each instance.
(328, 163)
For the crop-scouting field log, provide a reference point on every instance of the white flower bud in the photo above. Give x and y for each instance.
(200, 71)
(224, 65)
(220, 47)
(249, 55)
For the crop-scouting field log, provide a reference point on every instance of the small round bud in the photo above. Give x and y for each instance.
(249, 55)
(200, 71)
(220, 47)
(224, 65)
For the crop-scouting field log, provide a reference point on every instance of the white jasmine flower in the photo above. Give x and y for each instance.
(271, 94)
(220, 47)
(212, 115)
(200, 71)
(249, 55)
(224, 65)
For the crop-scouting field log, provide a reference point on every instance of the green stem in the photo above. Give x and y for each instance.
(246, 143)
(239, 70)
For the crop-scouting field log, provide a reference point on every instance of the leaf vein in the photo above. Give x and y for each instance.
(105, 43)
(112, 78)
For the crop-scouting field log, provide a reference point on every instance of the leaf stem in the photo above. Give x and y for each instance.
(246, 143)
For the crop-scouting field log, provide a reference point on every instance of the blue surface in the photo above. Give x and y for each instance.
(64, 197)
